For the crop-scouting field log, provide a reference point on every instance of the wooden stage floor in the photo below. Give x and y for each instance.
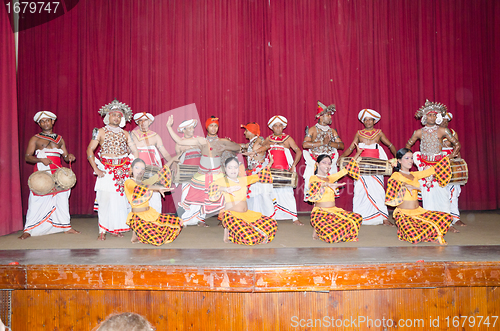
(250, 288)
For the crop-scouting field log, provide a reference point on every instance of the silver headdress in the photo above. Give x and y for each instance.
(116, 105)
(428, 107)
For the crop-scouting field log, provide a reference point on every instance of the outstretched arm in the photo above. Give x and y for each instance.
(193, 142)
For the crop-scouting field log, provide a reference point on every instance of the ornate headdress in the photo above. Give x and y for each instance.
(322, 109)
(430, 107)
(116, 106)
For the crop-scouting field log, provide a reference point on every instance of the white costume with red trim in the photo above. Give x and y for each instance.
(369, 193)
(259, 197)
(48, 213)
(454, 192)
(285, 206)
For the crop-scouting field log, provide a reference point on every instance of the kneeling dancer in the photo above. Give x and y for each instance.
(149, 226)
(331, 224)
(241, 225)
(416, 224)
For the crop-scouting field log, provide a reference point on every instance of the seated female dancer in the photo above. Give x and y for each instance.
(331, 224)
(242, 226)
(416, 224)
(149, 226)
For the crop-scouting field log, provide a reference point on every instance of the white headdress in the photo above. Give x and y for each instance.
(44, 114)
(448, 116)
(277, 119)
(186, 123)
(368, 113)
(148, 116)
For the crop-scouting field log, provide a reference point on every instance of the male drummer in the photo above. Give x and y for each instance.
(189, 156)
(431, 137)
(47, 213)
(148, 145)
(369, 192)
(320, 139)
(197, 197)
(260, 199)
(112, 169)
(454, 190)
(279, 145)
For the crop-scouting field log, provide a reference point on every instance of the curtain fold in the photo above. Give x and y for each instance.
(246, 61)
(10, 203)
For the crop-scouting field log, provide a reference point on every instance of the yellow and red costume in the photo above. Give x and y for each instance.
(419, 224)
(150, 226)
(245, 228)
(333, 224)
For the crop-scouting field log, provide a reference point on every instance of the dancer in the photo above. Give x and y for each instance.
(149, 226)
(208, 171)
(331, 224)
(369, 192)
(279, 145)
(47, 213)
(431, 137)
(112, 169)
(454, 190)
(241, 225)
(259, 194)
(148, 145)
(321, 139)
(416, 224)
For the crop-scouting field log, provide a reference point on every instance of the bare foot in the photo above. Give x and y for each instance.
(102, 236)
(220, 223)
(454, 229)
(226, 236)
(460, 223)
(25, 235)
(72, 231)
(203, 224)
(297, 222)
(134, 239)
(315, 236)
(387, 223)
(117, 234)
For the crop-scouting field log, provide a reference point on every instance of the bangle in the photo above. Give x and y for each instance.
(90, 156)
(65, 156)
(389, 146)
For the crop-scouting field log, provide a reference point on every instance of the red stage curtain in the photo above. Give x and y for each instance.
(248, 60)
(10, 204)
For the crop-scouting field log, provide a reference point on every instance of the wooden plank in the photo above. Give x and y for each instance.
(415, 308)
(261, 279)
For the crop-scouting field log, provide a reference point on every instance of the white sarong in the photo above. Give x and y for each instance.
(260, 195)
(435, 198)
(48, 213)
(285, 206)
(113, 208)
(369, 194)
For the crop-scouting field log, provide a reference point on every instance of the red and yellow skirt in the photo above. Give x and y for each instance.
(335, 224)
(248, 228)
(158, 232)
(416, 225)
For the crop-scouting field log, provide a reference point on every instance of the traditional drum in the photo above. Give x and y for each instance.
(283, 178)
(64, 179)
(369, 166)
(459, 172)
(41, 182)
(185, 173)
